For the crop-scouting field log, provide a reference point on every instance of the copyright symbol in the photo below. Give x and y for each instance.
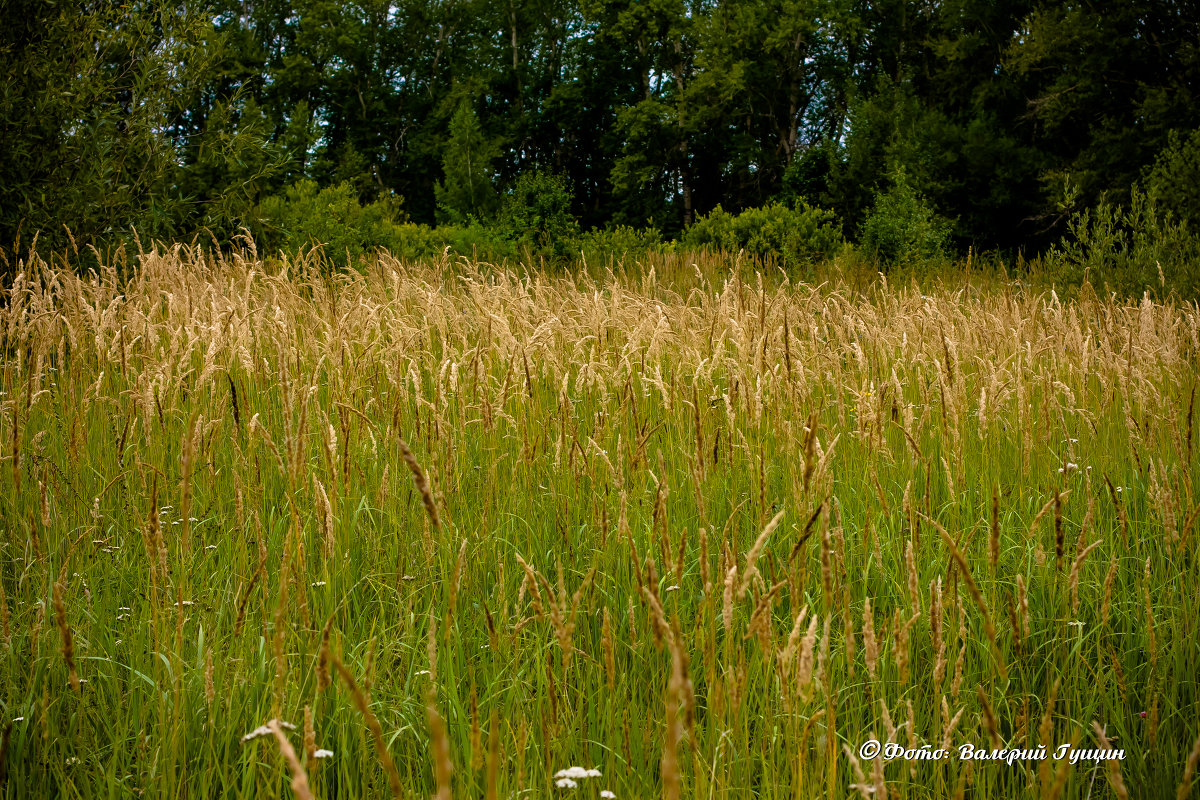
(869, 749)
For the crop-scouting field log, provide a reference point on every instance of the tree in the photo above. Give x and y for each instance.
(86, 94)
(466, 192)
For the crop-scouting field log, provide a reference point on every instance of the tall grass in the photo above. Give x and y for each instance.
(701, 530)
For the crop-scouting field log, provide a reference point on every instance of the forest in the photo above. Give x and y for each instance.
(1053, 129)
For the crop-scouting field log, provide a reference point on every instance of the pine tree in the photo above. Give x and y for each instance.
(467, 192)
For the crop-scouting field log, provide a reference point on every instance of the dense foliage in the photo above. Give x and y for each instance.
(1006, 119)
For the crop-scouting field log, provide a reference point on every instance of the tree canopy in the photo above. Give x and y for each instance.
(1004, 118)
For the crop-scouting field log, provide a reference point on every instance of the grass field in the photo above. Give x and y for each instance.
(702, 531)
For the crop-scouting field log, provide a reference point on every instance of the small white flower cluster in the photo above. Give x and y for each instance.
(567, 778)
(263, 730)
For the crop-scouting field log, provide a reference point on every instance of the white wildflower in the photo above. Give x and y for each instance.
(263, 730)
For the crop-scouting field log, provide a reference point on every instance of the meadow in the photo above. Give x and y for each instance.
(447, 528)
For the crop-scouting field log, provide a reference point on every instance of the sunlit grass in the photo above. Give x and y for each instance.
(701, 531)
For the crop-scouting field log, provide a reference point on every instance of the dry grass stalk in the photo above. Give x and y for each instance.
(325, 509)
(1109, 580)
(989, 718)
(973, 588)
(210, 689)
(878, 787)
(1046, 730)
(865, 790)
(363, 704)
(949, 723)
(823, 650)
(678, 704)
(756, 549)
(443, 767)
(44, 500)
(259, 574)
(914, 587)
(810, 440)
(1056, 501)
(806, 656)
(727, 598)
(300, 787)
(606, 646)
(888, 725)
(1060, 775)
(422, 485)
(310, 738)
(64, 630)
(1112, 765)
(871, 649)
(1186, 530)
(960, 661)
(456, 576)
(492, 788)
(1189, 772)
(900, 646)
(658, 619)
(1023, 605)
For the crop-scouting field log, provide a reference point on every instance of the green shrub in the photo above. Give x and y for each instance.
(1174, 179)
(1128, 250)
(622, 240)
(902, 227)
(794, 235)
(333, 217)
(536, 216)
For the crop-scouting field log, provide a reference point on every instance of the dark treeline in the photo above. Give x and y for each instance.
(1000, 120)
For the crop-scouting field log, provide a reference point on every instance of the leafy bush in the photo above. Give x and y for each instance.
(796, 236)
(1174, 180)
(622, 240)
(332, 216)
(1129, 250)
(536, 216)
(902, 227)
